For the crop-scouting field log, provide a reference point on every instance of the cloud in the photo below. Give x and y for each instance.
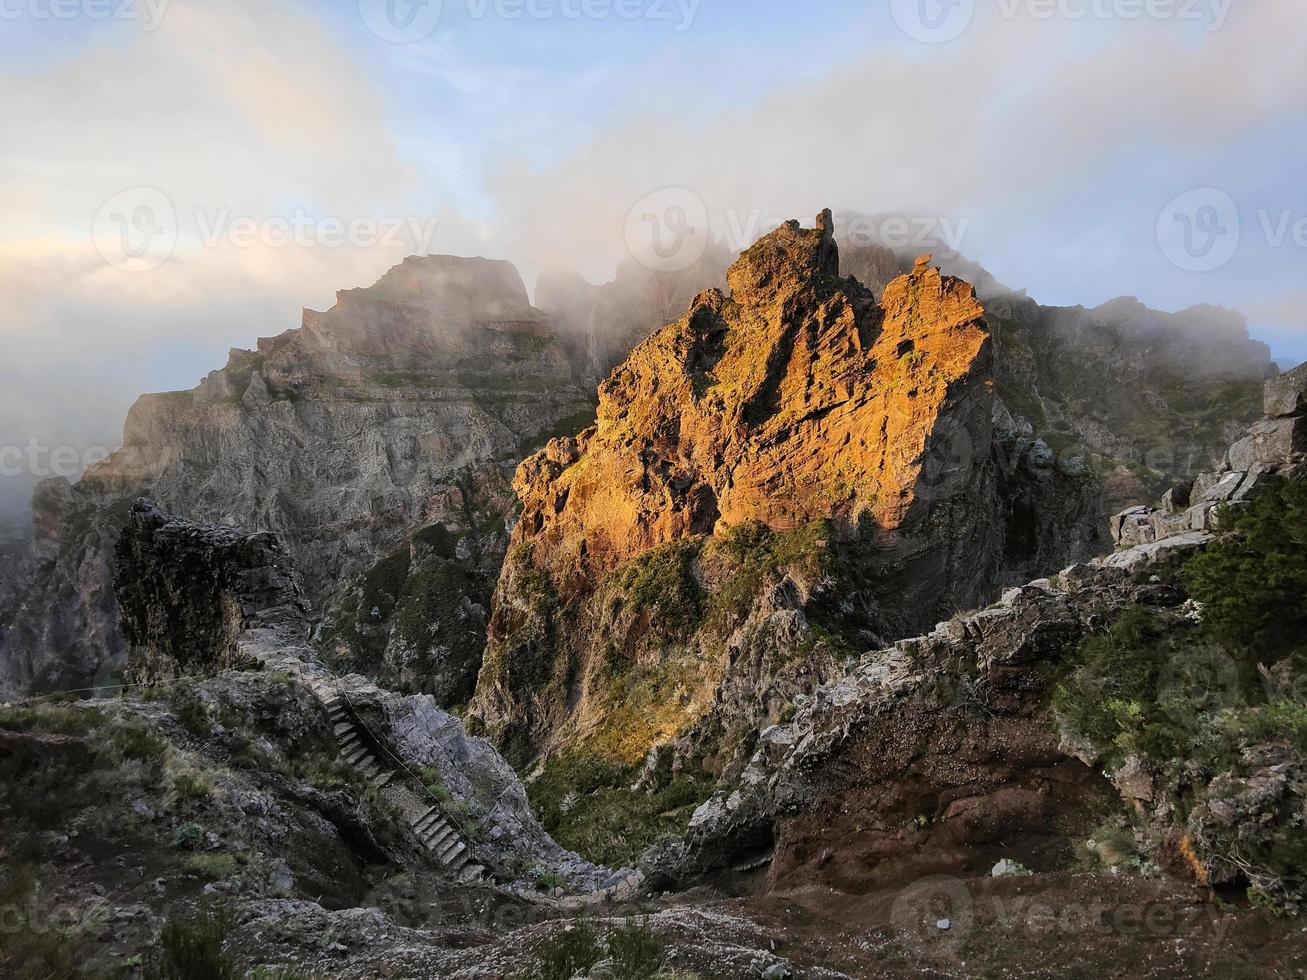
(1015, 114)
(238, 109)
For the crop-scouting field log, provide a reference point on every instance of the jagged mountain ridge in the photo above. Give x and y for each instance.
(781, 476)
(407, 404)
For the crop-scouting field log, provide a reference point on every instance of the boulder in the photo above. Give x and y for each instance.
(1269, 441)
(1286, 394)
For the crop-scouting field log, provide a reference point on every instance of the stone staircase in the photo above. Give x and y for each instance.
(438, 833)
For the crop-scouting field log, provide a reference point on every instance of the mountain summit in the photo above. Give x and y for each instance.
(693, 558)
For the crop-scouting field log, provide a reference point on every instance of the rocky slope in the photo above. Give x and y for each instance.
(405, 406)
(786, 473)
(1146, 708)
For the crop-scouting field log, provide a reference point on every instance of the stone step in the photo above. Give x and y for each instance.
(355, 755)
(427, 819)
(454, 848)
(382, 780)
(350, 741)
(459, 860)
(438, 839)
(342, 728)
(434, 829)
(368, 767)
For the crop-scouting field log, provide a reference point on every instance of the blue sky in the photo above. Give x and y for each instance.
(1062, 142)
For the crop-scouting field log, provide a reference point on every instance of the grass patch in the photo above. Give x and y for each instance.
(215, 867)
(52, 718)
(571, 951)
(584, 800)
(637, 952)
(136, 742)
(191, 785)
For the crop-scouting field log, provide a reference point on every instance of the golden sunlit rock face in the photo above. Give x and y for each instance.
(796, 398)
(762, 453)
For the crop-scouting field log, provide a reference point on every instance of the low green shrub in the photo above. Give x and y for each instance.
(191, 949)
(1253, 582)
(572, 950)
(188, 836)
(637, 952)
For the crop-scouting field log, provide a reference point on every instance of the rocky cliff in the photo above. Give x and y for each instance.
(1144, 398)
(1145, 710)
(786, 473)
(406, 406)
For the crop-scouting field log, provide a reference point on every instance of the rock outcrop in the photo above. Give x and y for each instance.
(786, 470)
(405, 406)
(186, 593)
(1274, 447)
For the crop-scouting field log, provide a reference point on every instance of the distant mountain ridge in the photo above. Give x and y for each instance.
(405, 405)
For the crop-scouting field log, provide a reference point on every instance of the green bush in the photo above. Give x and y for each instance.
(636, 950)
(188, 836)
(191, 949)
(1253, 582)
(572, 950)
(137, 743)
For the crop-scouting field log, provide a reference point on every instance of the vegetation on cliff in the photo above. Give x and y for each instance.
(1213, 704)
